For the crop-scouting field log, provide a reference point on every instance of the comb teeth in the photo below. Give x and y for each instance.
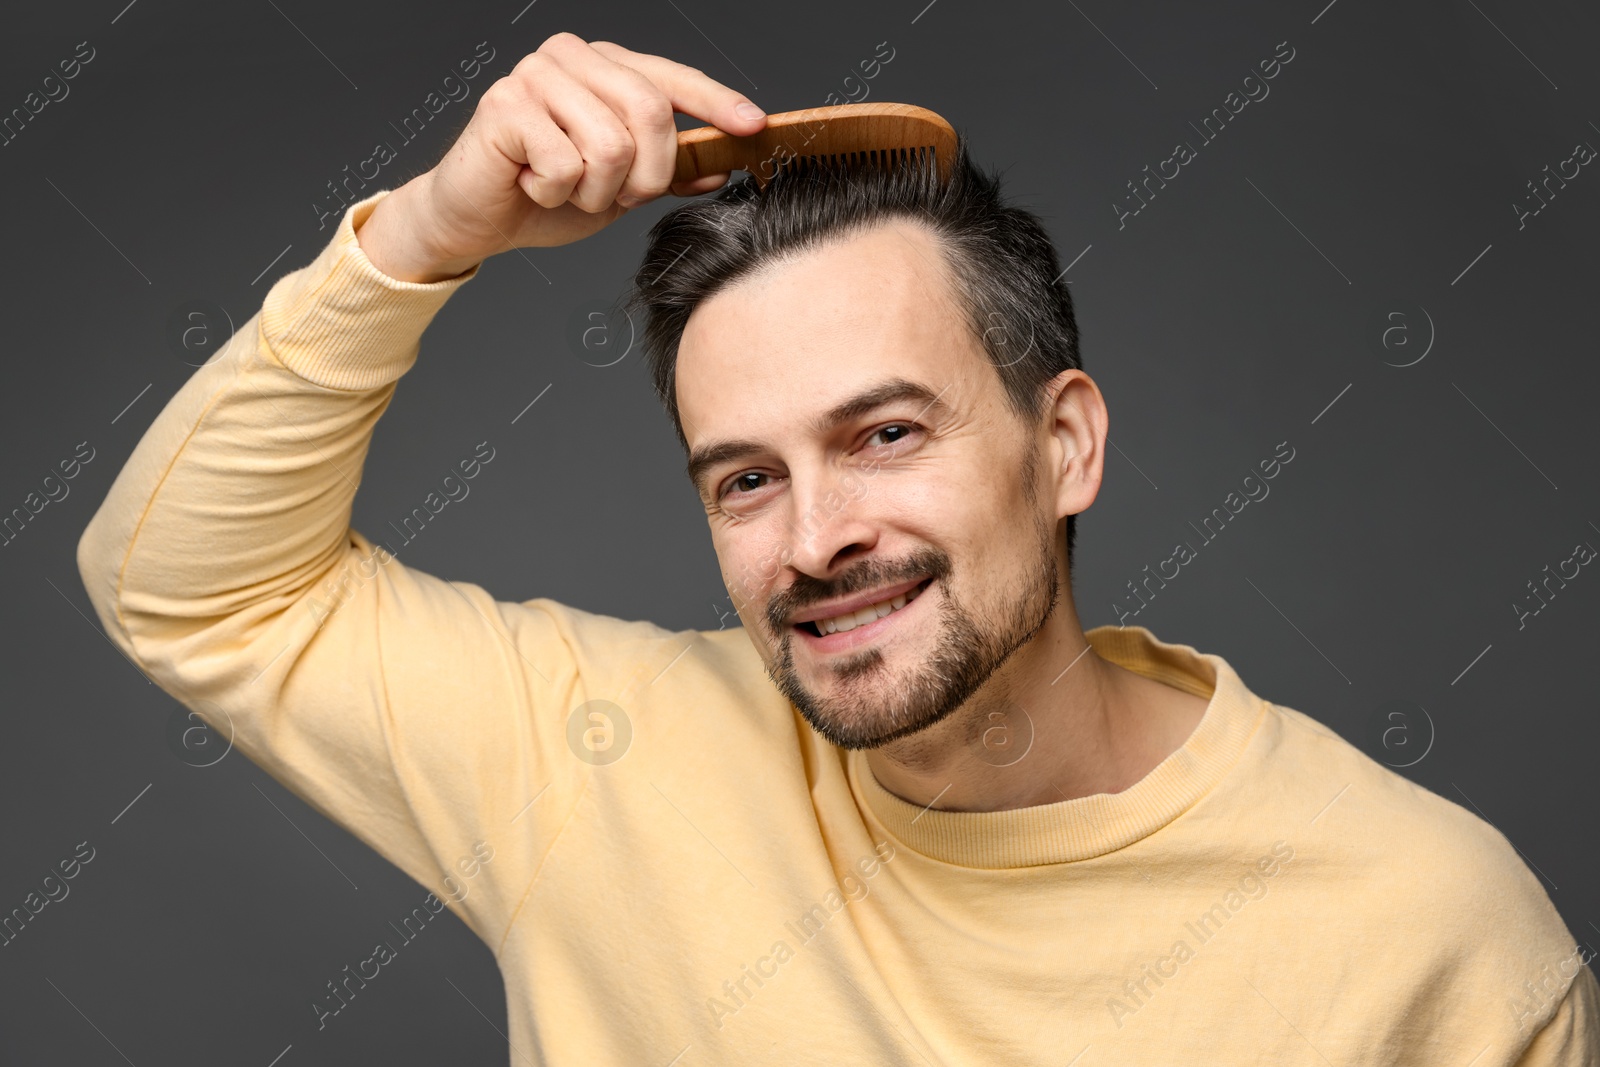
(837, 163)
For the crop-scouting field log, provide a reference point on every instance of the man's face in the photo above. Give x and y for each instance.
(857, 448)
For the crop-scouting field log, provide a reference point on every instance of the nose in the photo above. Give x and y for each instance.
(829, 524)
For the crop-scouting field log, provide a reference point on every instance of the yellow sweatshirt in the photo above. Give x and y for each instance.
(672, 868)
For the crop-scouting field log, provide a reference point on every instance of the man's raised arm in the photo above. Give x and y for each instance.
(420, 714)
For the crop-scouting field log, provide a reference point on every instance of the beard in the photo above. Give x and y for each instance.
(871, 704)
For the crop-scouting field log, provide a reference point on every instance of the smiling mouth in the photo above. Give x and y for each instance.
(864, 617)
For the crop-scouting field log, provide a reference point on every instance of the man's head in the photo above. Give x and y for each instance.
(875, 376)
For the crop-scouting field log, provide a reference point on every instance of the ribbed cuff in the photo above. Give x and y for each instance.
(341, 323)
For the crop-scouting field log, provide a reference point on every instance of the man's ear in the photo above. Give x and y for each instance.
(1078, 424)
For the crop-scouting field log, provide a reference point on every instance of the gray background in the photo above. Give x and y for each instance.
(1242, 308)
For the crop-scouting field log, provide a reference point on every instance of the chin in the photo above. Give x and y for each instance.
(852, 712)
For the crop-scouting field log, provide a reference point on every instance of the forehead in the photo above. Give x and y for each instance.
(765, 354)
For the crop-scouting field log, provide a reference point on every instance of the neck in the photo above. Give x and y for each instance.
(1055, 722)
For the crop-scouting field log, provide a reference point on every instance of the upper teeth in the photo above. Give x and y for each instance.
(841, 623)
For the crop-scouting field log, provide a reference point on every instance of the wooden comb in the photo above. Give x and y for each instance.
(837, 135)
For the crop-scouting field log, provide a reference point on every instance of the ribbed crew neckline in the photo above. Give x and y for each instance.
(1094, 825)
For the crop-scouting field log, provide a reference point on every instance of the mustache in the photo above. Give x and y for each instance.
(806, 590)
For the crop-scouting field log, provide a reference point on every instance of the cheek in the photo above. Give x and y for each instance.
(983, 519)
(952, 508)
(750, 564)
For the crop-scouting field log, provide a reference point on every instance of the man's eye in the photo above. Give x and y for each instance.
(902, 428)
(741, 482)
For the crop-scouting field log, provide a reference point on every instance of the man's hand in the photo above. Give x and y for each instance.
(561, 147)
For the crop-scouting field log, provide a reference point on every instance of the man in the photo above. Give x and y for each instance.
(912, 813)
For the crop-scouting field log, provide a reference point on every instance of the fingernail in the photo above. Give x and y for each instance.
(748, 110)
(628, 201)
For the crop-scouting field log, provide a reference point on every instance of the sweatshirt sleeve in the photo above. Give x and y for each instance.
(1572, 1036)
(420, 714)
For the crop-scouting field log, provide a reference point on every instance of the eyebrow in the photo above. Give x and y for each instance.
(889, 391)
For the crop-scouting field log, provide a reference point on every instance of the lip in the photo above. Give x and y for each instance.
(854, 603)
(862, 635)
